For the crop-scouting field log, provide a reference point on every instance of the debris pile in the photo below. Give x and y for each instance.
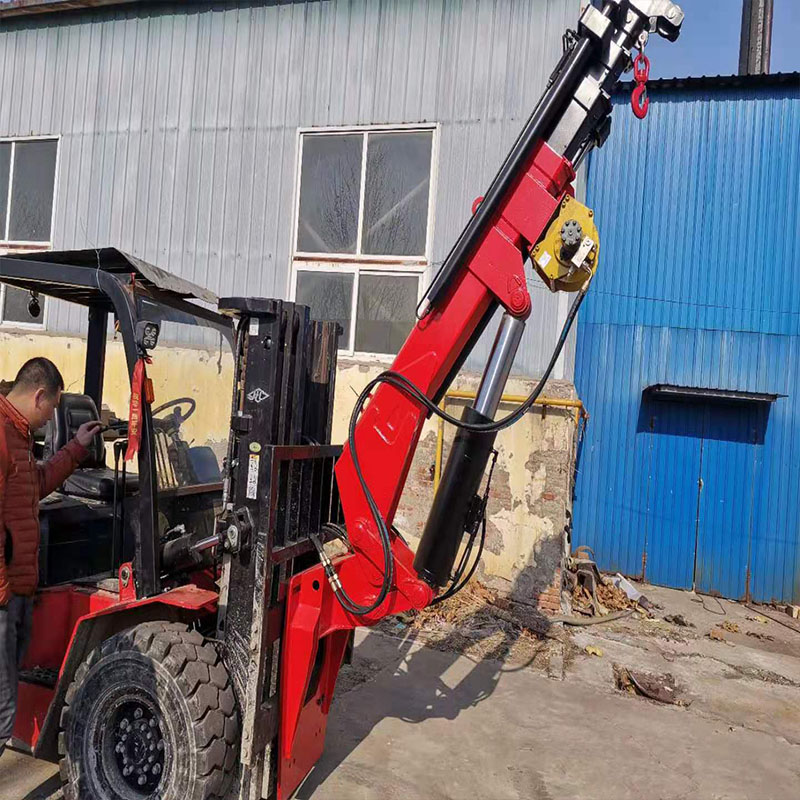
(763, 636)
(661, 688)
(679, 620)
(717, 633)
(731, 627)
(604, 600)
(591, 594)
(482, 624)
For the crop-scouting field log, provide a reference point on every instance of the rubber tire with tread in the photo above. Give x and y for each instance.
(185, 679)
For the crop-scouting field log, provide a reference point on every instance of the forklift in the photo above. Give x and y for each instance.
(193, 614)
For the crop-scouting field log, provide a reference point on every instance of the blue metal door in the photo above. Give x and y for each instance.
(732, 439)
(702, 483)
(676, 441)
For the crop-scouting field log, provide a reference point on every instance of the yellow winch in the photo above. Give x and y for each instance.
(568, 253)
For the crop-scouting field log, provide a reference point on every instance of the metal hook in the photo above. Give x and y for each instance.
(640, 102)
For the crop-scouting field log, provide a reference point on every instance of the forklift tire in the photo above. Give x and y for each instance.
(150, 714)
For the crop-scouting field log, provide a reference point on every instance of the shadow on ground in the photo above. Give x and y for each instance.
(430, 678)
(46, 790)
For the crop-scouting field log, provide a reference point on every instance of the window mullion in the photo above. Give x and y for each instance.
(351, 345)
(2, 301)
(433, 178)
(361, 193)
(10, 190)
(299, 180)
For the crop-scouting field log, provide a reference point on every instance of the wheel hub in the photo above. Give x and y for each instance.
(139, 746)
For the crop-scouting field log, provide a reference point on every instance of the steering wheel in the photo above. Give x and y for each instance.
(176, 404)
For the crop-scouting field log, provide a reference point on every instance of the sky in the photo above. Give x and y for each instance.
(709, 40)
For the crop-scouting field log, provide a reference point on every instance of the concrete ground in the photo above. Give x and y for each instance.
(419, 723)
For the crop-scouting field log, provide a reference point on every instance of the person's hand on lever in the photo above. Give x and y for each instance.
(87, 432)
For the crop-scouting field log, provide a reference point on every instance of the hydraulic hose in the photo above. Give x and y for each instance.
(403, 384)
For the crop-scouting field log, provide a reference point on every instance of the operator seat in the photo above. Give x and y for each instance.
(93, 479)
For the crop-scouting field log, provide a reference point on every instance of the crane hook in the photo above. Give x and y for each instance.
(640, 102)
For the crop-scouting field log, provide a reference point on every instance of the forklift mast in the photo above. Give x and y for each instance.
(287, 609)
(279, 489)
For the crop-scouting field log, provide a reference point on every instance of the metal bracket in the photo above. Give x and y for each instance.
(236, 530)
(240, 423)
(665, 17)
(579, 259)
(127, 586)
(594, 23)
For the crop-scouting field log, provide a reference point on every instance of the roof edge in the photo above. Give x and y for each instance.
(21, 8)
(717, 82)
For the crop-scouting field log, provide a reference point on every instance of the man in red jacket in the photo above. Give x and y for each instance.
(29, 404)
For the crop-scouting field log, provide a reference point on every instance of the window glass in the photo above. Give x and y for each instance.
(5, 166)
(330, 187)
(363, 208)
(329, 295)
(32, 191)
(396, 193)
(15, 307)
(386, 312)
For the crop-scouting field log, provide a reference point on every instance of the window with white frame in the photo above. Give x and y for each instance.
(27, 188)
(362, 231)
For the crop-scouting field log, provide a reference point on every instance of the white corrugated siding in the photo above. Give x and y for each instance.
(179, 122)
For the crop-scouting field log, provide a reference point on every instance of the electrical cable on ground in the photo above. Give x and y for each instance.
(765, 613)
(585, 621)
(721, 613)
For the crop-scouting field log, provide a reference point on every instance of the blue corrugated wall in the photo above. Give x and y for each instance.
(699, 286)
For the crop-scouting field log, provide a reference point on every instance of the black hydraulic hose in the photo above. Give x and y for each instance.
(459, 584)
(404, 384)
(415, 393)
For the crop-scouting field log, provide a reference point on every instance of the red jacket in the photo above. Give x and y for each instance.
(23, 482)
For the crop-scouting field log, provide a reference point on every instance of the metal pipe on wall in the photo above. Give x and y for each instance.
(516, 399)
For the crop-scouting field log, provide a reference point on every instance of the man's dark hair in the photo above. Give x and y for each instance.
(39, 373)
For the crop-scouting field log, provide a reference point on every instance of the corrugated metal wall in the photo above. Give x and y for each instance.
(698, 286)
(178, 121)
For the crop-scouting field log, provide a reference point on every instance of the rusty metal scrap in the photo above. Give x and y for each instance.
(661, 688)
(592, 593)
